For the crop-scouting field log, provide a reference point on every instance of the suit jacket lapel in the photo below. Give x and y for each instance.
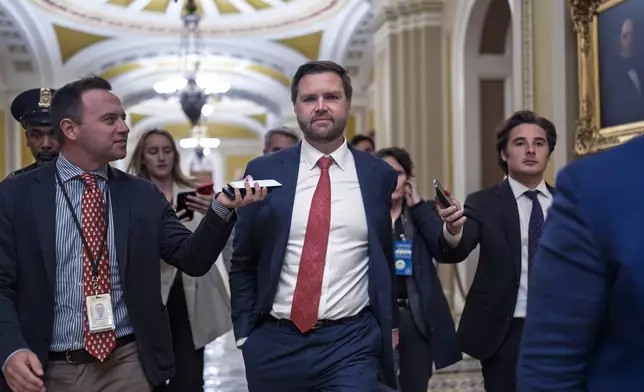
(282, 201)
(43, 196)
(120, 208)
(509, 212)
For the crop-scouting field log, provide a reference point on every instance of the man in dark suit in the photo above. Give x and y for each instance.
(505, 221)
(312, 271)
(77, 234)
(31, 110)
(583, 332)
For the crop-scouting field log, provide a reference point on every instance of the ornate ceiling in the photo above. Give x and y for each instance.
(255, 45)
(220, 17)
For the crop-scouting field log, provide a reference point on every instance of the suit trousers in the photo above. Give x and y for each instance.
(120, 372)
(189, 362)
(499, 371)
(341, 357)
(415, 355)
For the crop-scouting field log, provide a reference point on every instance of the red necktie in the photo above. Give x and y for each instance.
(306, 299)
(98, 344)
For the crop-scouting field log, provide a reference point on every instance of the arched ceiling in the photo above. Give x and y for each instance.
(255, 45)
(220, 17)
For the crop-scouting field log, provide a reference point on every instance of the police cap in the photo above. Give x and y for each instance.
(32, 106)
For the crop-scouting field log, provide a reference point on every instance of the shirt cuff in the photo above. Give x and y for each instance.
(240, 342)
(4, 365)
(452, 240)
(224, 213)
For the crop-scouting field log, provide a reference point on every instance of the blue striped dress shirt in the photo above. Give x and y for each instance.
(69, 301)
(69, 327)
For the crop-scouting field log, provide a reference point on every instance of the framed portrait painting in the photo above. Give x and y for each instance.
(610, 36)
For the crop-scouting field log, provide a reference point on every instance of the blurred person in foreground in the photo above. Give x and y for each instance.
(198, 308)
(583, 331)
(427, 335)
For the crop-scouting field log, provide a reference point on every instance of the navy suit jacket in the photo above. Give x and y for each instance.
(583, 330)
(146, 230)
(262, 232)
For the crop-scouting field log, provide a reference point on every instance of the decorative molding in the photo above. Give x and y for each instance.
(409, 15)
(289, 17)
(409, 9)
(17, 56)
(527, 54)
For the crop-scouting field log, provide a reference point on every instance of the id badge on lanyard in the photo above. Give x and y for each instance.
(98, 306)
(402, 257)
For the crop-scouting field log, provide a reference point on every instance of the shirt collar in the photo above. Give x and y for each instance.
(68, 170)
(311, 155)
(519, 189)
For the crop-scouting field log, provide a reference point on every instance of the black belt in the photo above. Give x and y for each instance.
(320, 323)
(403, 303)
(79, 357)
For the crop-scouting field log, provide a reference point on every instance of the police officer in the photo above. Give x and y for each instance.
(31, 110)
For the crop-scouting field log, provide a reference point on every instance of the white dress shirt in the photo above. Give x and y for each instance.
(345, 282)
(524, 204)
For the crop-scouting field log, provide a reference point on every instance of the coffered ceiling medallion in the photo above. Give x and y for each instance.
(219, 17)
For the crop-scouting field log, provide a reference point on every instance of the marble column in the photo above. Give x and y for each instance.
(13, 134)
(408, 84)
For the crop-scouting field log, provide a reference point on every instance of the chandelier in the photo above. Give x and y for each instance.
(193, 91)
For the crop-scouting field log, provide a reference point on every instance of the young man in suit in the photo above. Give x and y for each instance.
(505, 221)
(583, 332)
(31, 110)
(77, 233)
(312, 272)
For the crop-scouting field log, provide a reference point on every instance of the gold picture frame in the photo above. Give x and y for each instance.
(590, 137)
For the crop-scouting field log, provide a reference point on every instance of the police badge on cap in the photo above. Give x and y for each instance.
(32, 107)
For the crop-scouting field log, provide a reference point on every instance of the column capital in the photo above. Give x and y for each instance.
(400, 15)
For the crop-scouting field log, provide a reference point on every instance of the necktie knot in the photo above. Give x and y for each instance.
(88, 179)
(532, 195)
(325, 162)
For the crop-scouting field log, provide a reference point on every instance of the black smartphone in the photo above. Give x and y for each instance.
(229, 190)
(181, 204)
(443, 200)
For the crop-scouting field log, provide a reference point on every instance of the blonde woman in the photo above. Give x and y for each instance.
(199, 308)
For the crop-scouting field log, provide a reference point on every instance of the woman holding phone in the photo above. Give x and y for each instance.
(427, 335)
(199, 308)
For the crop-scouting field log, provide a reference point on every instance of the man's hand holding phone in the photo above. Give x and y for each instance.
(453, 215)
(251, 195)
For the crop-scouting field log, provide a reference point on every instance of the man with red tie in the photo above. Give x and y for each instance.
(312, 271)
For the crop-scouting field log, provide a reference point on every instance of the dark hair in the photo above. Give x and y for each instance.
(401, 156)
(316, 67)
(362, 138)
(286, 131)
(504, 129)
(67, 101)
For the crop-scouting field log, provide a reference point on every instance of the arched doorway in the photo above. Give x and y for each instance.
(485, 62)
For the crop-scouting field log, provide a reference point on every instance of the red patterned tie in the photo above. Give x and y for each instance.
(306, 299)
(98, 344)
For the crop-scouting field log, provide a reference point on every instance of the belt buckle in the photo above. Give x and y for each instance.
(68, 357)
